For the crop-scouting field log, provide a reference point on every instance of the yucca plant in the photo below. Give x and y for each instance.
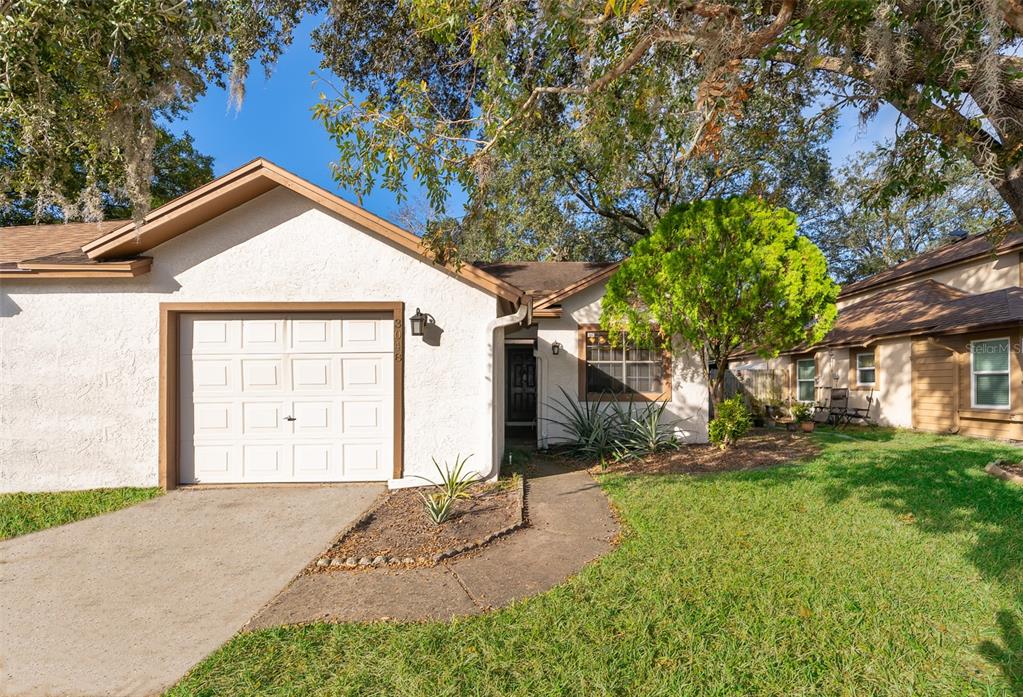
(438, 506)
(453, 481)
(645, 432)
(590, 425)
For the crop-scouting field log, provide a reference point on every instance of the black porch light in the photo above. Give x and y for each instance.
(419, 321)
(556, 348)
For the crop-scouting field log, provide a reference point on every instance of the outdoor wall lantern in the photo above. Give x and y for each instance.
(556, 348)
(419, 321)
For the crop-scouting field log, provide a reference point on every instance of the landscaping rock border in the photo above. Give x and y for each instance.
(995, 470)
(433, 559)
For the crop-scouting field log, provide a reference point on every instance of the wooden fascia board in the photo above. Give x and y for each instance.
(173, 205)
(188, 215)
(244, 184)
(391, 232)
(137, 268)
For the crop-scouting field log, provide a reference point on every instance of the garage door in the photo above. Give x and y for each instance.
(286, 398)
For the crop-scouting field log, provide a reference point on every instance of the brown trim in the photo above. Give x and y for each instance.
(129, 265)
(252, 180)
(169, 359)
(549, 313)
(580, 285)
(854, 373)
(585, 396)
(95, 270)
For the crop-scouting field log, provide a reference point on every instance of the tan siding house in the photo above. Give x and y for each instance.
(931, 344)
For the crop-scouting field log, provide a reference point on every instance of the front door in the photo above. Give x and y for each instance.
(521, 386)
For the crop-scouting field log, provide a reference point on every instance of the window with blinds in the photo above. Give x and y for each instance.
(806, 376)
(989, 367)
(625, 369)
(866, 371)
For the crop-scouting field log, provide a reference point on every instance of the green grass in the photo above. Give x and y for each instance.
(23, 513)
(889, 565)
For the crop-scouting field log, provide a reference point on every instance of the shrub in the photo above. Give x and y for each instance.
(642, 431)
(438, 506)
(731, 423)
(607, 429)
(590, 426)
(801, 411)
(453, 485)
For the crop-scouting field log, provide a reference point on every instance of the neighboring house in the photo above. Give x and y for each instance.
(932, 343)
(261, 329)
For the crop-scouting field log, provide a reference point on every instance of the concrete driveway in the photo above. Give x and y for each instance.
(127, 602)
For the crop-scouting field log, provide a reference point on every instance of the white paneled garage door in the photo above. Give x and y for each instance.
(286, 398)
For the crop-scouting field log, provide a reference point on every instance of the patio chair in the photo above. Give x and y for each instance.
(838, 407)
(861, 413)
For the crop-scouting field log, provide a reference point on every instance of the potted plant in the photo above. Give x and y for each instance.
(802, 413)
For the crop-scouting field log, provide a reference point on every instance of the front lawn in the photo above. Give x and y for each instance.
(890, 564)
(22, 513)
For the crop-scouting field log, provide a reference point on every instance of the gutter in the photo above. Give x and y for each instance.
(524, 313)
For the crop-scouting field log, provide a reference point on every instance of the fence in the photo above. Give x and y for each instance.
(761, 385)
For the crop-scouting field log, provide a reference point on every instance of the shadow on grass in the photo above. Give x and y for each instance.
(944, 488)
(1007, 656)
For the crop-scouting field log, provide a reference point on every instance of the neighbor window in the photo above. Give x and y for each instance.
(625, 369)
(806, 375)
(989, 364)
(866, 372)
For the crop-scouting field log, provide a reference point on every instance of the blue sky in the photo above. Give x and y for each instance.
(275, 122)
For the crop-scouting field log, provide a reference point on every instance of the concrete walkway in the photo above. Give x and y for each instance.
(570, 524)
(126, 603)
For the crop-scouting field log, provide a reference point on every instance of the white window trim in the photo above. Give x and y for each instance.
(799, 380)
(859, 383)
(973, 376)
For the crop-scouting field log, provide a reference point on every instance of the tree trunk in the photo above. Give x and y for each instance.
(1011, 191)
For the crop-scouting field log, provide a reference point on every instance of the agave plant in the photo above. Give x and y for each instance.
(453, 481)
(645, 432)
(438, 505)
(590, 425)
(610, 430)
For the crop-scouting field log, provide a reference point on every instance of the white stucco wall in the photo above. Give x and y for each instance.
(689, 396)
(79, 361)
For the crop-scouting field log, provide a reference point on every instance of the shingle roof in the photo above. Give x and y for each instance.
(25, 242)
(925, 307)
(543, 277)
(951, 253)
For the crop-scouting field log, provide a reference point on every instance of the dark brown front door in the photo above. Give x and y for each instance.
(521, 385)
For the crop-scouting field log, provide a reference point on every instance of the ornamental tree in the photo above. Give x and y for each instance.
(719, 276)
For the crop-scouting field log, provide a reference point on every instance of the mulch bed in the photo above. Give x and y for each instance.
(759, 449)
(399, 528)
(1015, 468)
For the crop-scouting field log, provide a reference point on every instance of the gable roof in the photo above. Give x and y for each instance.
(246, 183)
(921, 308)
(951, 254)
(543, 277)
(118, 241)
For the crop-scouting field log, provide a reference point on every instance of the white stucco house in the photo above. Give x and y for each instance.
(260, 329)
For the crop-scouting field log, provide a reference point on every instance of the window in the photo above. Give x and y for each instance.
(806, 375)
(866, 372)
(626, 369)
(989, 365)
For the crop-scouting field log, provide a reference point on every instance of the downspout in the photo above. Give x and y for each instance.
(541, 397)
(525, 312)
